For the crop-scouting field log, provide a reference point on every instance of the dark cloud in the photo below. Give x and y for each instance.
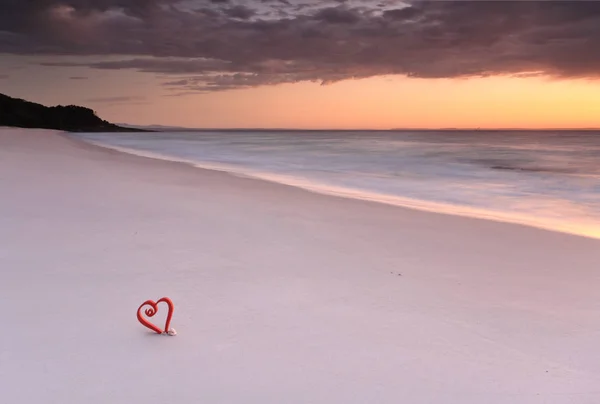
(338, 15)
(78, 78)
(241, 12)
(211, 45)
(4, 76)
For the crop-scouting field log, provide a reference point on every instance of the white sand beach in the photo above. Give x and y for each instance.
(281, 295)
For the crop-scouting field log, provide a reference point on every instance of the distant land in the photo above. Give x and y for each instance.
(19, 113)
(159, 128)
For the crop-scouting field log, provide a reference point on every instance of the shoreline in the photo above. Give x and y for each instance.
(347, 193)
(281, 295)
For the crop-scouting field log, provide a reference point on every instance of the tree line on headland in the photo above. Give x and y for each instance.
(16, 112)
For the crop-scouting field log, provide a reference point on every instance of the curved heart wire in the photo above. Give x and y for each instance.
(152, 310)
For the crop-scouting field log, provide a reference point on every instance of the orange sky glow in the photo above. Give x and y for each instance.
(381, 103)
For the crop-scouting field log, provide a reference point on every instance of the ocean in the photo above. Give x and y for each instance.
(546, 179)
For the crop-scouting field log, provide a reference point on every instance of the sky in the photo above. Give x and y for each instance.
(339, 64)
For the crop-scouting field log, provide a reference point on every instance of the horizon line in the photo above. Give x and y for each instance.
(476, 129)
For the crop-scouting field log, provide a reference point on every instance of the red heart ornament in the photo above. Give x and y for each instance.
(151, 311)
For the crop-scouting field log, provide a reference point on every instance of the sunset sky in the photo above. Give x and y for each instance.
(307, 63)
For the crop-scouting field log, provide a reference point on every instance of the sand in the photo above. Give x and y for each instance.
(281, 295)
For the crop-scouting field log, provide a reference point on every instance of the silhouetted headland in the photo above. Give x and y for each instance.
(72, 118)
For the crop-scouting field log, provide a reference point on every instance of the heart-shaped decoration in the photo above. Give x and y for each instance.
(151, 311)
